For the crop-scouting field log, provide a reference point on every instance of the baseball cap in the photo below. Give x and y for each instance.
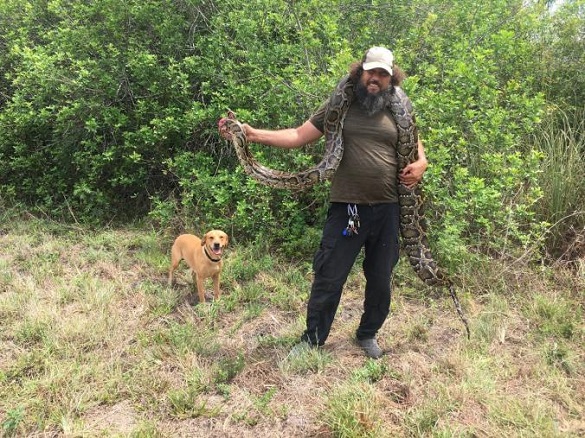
(378, 57)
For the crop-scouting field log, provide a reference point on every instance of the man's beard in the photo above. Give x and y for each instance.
(373, 103)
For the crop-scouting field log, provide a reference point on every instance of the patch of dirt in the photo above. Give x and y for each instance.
(119, 418)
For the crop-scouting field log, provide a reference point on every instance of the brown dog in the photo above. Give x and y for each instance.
(202, 256)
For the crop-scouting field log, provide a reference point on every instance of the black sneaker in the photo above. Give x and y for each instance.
(371, 348)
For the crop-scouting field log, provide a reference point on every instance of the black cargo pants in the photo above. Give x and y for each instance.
(378, 235)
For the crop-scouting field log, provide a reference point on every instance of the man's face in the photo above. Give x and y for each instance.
(376, 80)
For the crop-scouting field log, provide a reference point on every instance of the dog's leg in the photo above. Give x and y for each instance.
(216, 291)
(174, 264)
(199, 284)
(176, 257)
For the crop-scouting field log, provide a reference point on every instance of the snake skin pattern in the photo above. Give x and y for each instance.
(413, 225)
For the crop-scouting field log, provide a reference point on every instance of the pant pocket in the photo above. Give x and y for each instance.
(322, 255)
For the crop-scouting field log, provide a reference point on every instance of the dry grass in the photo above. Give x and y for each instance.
(93, 343)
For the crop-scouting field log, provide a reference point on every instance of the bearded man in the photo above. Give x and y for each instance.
(364, 209)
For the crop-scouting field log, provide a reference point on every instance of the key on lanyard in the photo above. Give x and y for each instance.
(353, 223)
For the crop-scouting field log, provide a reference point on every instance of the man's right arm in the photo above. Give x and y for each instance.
(284, 138)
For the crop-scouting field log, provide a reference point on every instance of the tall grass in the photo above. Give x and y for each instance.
(562, 141)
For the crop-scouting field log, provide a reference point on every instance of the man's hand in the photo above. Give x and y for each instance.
(412, 174)
(223, 129)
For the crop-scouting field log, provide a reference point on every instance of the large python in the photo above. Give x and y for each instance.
(413, 226)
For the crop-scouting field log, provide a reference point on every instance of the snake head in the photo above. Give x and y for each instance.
(221, 124)
(230, 128)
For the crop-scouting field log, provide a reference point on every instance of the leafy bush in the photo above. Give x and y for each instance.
(216, 197)
(476, 107)
(109, 109)
(89, 116)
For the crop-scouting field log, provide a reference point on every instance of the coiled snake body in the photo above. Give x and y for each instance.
(412, 221)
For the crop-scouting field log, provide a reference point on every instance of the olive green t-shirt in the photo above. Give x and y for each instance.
(367, 172)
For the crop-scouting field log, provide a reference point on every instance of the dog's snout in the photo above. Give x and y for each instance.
(216, 245)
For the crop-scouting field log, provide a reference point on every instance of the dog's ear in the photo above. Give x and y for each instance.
(227, 239)
(204, 239)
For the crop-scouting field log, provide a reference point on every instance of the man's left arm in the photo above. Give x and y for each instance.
(412, 174)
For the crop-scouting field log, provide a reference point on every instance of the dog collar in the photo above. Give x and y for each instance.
(209, 257)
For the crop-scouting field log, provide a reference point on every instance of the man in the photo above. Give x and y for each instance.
(364, 210)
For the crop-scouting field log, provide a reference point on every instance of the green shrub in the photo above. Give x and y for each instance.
(108, 110)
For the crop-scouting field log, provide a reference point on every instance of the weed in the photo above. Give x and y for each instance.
(32, 332)
(228, 368)
(161, 300)
(185, 338)
(372, 371)
(276, 341)
(245, 264)
(11, 424)
(260, 408)
(350, 411)
(531, 415)
(417, 332)
(554, 316)
(146, 430)
(262, 402)
(424, 419)
(558, 355)
(185, 404)
(304, 359)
